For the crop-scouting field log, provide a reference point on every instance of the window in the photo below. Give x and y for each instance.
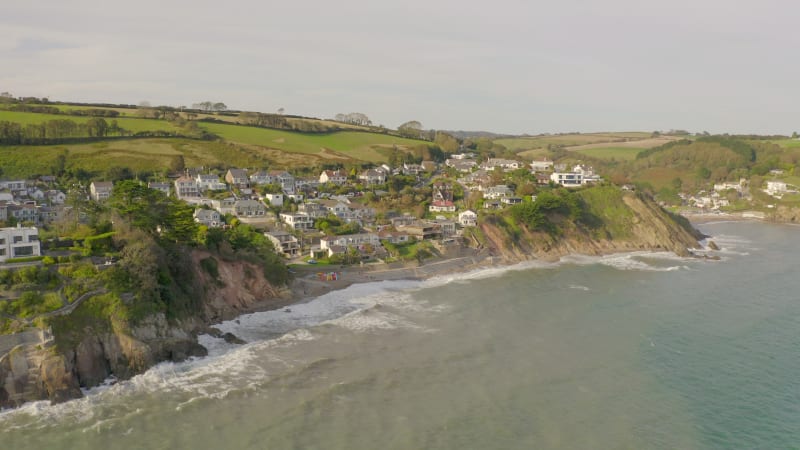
(2, 241)
(24, 251)
(2, 252)
(33, 238)
(17, 239)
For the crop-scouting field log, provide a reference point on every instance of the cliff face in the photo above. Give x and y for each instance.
(90, 355)
(639, 224)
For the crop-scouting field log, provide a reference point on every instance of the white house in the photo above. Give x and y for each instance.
(261, 177)
(776, 188)
(496, 192)
(337, 177)
(297, 221)
(350, 240)
(504, 164)
(274, 199)
(373, 176)
(209, 182)
(186, 187)
(542, 165)
(19, 242)
(100, 190)
(468, 218)
(567, 179)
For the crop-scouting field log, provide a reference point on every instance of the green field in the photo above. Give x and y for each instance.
(534, 142)
(788, 143)
(344, 144)
(616, 153)
(129, 123)
(140, 155)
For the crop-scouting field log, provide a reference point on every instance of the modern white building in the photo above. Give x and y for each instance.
(298, 221)
(567, 179)
(19, 242)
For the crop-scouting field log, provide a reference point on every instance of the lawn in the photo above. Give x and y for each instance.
(616, 153)
(568, 140)
(343, 144)
(788, 143)
(150, 155)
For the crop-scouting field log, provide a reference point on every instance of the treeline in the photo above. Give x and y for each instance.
(44, 109)
(56, 131)
(63, 131)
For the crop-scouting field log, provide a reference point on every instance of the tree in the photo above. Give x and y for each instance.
(410, 129)
(354, 118)
(177, 164)
(219, 106)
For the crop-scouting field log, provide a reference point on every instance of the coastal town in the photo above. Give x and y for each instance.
(290, 209)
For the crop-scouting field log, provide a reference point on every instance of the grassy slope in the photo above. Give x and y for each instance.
(128, 123)
(356, 145)
(534, 142)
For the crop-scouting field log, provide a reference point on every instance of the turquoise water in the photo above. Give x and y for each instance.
(626, 351)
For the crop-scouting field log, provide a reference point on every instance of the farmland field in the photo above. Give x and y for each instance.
(616, 153)
(348, 144)
(129, 123)
(534, 142)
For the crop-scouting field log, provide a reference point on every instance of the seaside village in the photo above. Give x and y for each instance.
(291, 210)
(327, 217)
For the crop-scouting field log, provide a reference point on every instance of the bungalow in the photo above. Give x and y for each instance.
(208, 217)
(422, 230)
(394, 237)
(442, 206)
(297, 221)
(186, 187)
(350, 240)
(373, 176)
(337, 177)
(505, 164)
(100, 190)
(468, 218)
(237, 178)
(284, 243)
(510, 200)
(249, 208)
(542, 165)
(461, 165)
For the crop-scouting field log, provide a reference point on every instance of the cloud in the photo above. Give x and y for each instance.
(509, 66)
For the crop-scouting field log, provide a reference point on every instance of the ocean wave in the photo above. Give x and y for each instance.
(639, 261)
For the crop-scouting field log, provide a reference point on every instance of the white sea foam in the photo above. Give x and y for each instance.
(631, 261)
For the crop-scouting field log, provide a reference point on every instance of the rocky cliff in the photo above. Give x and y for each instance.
(635, 222)
(91, 351)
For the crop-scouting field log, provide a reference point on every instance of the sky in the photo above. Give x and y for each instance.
(507, 66)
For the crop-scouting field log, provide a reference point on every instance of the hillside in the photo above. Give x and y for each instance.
(592, 221)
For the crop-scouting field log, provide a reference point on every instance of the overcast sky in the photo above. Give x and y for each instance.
(508, 66)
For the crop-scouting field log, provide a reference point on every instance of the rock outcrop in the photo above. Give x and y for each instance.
(647, 226)
(43, 371)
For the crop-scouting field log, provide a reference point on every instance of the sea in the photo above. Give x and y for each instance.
(628, 351)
